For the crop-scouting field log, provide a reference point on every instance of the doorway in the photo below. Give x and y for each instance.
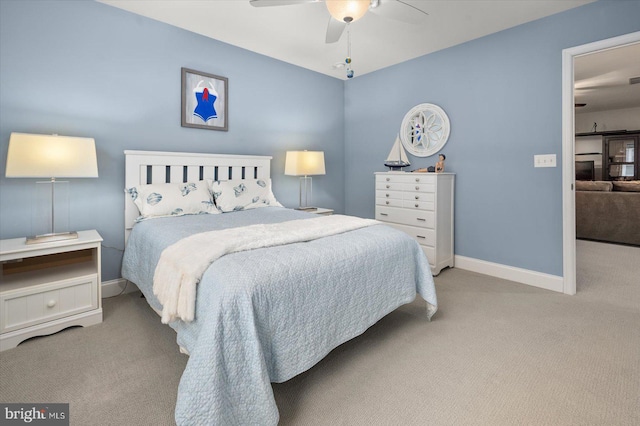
(568, 150)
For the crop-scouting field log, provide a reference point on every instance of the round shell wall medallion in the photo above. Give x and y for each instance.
(425, 130)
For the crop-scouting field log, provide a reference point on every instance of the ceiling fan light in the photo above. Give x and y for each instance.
(347, 10)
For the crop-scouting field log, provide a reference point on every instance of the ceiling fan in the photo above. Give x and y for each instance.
(343, 12)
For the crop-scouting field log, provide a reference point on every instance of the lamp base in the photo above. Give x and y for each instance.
(307, 209)
(50, 238)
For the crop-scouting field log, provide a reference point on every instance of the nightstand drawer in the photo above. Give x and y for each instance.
(38, 304)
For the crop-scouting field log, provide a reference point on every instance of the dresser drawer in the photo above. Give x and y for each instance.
(430, 252)
(418, 205)
(397, 195)
(389, 186)
(406, 178)
(39, 304)
(426, 237)
(418, 187)
(391, 202)
(419, 218)
(418, 196)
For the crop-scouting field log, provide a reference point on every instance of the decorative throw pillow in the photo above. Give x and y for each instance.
(626, 186)
(243, 194)
(172, 199)
(587, 185)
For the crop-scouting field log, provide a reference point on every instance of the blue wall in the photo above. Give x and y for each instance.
(502, 94)
(81, 68)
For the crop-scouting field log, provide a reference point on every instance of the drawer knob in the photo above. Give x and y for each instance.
(388, 179)
(51, 303)
(386, 195)
(387, 202)
(388, 186)
(417, 179)
(417, 205)
(417, 197)
(417, 187)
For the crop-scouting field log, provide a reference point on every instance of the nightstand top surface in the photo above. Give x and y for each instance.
(18, 245)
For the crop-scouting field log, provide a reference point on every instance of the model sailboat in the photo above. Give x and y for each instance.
(397, 158)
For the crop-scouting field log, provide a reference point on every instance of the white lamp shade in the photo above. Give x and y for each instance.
(51, 156)
(304, 163)
(352, 10)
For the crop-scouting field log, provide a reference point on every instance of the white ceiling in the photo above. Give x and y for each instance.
(296, 33)
(602, 79)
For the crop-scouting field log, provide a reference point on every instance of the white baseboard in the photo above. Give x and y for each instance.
(114, 287)
(519, 275)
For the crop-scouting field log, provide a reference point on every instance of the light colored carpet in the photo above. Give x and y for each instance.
(496, 353)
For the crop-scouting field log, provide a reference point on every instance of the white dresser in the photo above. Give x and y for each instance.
(420, 204)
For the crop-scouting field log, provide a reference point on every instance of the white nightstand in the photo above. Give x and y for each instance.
(47, 287)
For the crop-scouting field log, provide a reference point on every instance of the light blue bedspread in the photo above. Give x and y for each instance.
(267, 315)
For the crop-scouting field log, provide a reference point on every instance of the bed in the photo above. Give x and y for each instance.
(267, 314)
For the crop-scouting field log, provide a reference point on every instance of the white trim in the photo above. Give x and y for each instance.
(115, 287)
(519, 275)
(85, 319)
(568, 151)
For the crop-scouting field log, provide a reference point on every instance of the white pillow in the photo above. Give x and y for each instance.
(243, 195)
(172, 199)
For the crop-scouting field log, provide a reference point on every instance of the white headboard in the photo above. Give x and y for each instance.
(143, 167)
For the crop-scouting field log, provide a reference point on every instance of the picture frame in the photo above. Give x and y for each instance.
(205, 100)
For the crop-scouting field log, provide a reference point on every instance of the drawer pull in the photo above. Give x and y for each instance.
(388, 179)
(421, 219)
(420, 236)
(417, 205)
(417, 179)
(386, 195)
(387, 202)
(417, 188)
(388, 186)
(51, 303)
(384, 214)
(417, 197)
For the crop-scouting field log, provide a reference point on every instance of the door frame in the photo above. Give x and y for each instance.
(568, 150)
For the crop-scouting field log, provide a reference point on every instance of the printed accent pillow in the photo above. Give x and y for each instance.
(246, 194)
(172, 199)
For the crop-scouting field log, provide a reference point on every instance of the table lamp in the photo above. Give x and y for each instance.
(51, 156)
(304, 164)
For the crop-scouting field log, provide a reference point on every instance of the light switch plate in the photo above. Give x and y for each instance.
(544, 160)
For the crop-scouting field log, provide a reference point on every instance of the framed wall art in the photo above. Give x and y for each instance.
(205, 100)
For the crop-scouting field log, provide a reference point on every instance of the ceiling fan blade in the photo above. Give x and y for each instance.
(263, 3)
(335, 29)
(400, 11)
